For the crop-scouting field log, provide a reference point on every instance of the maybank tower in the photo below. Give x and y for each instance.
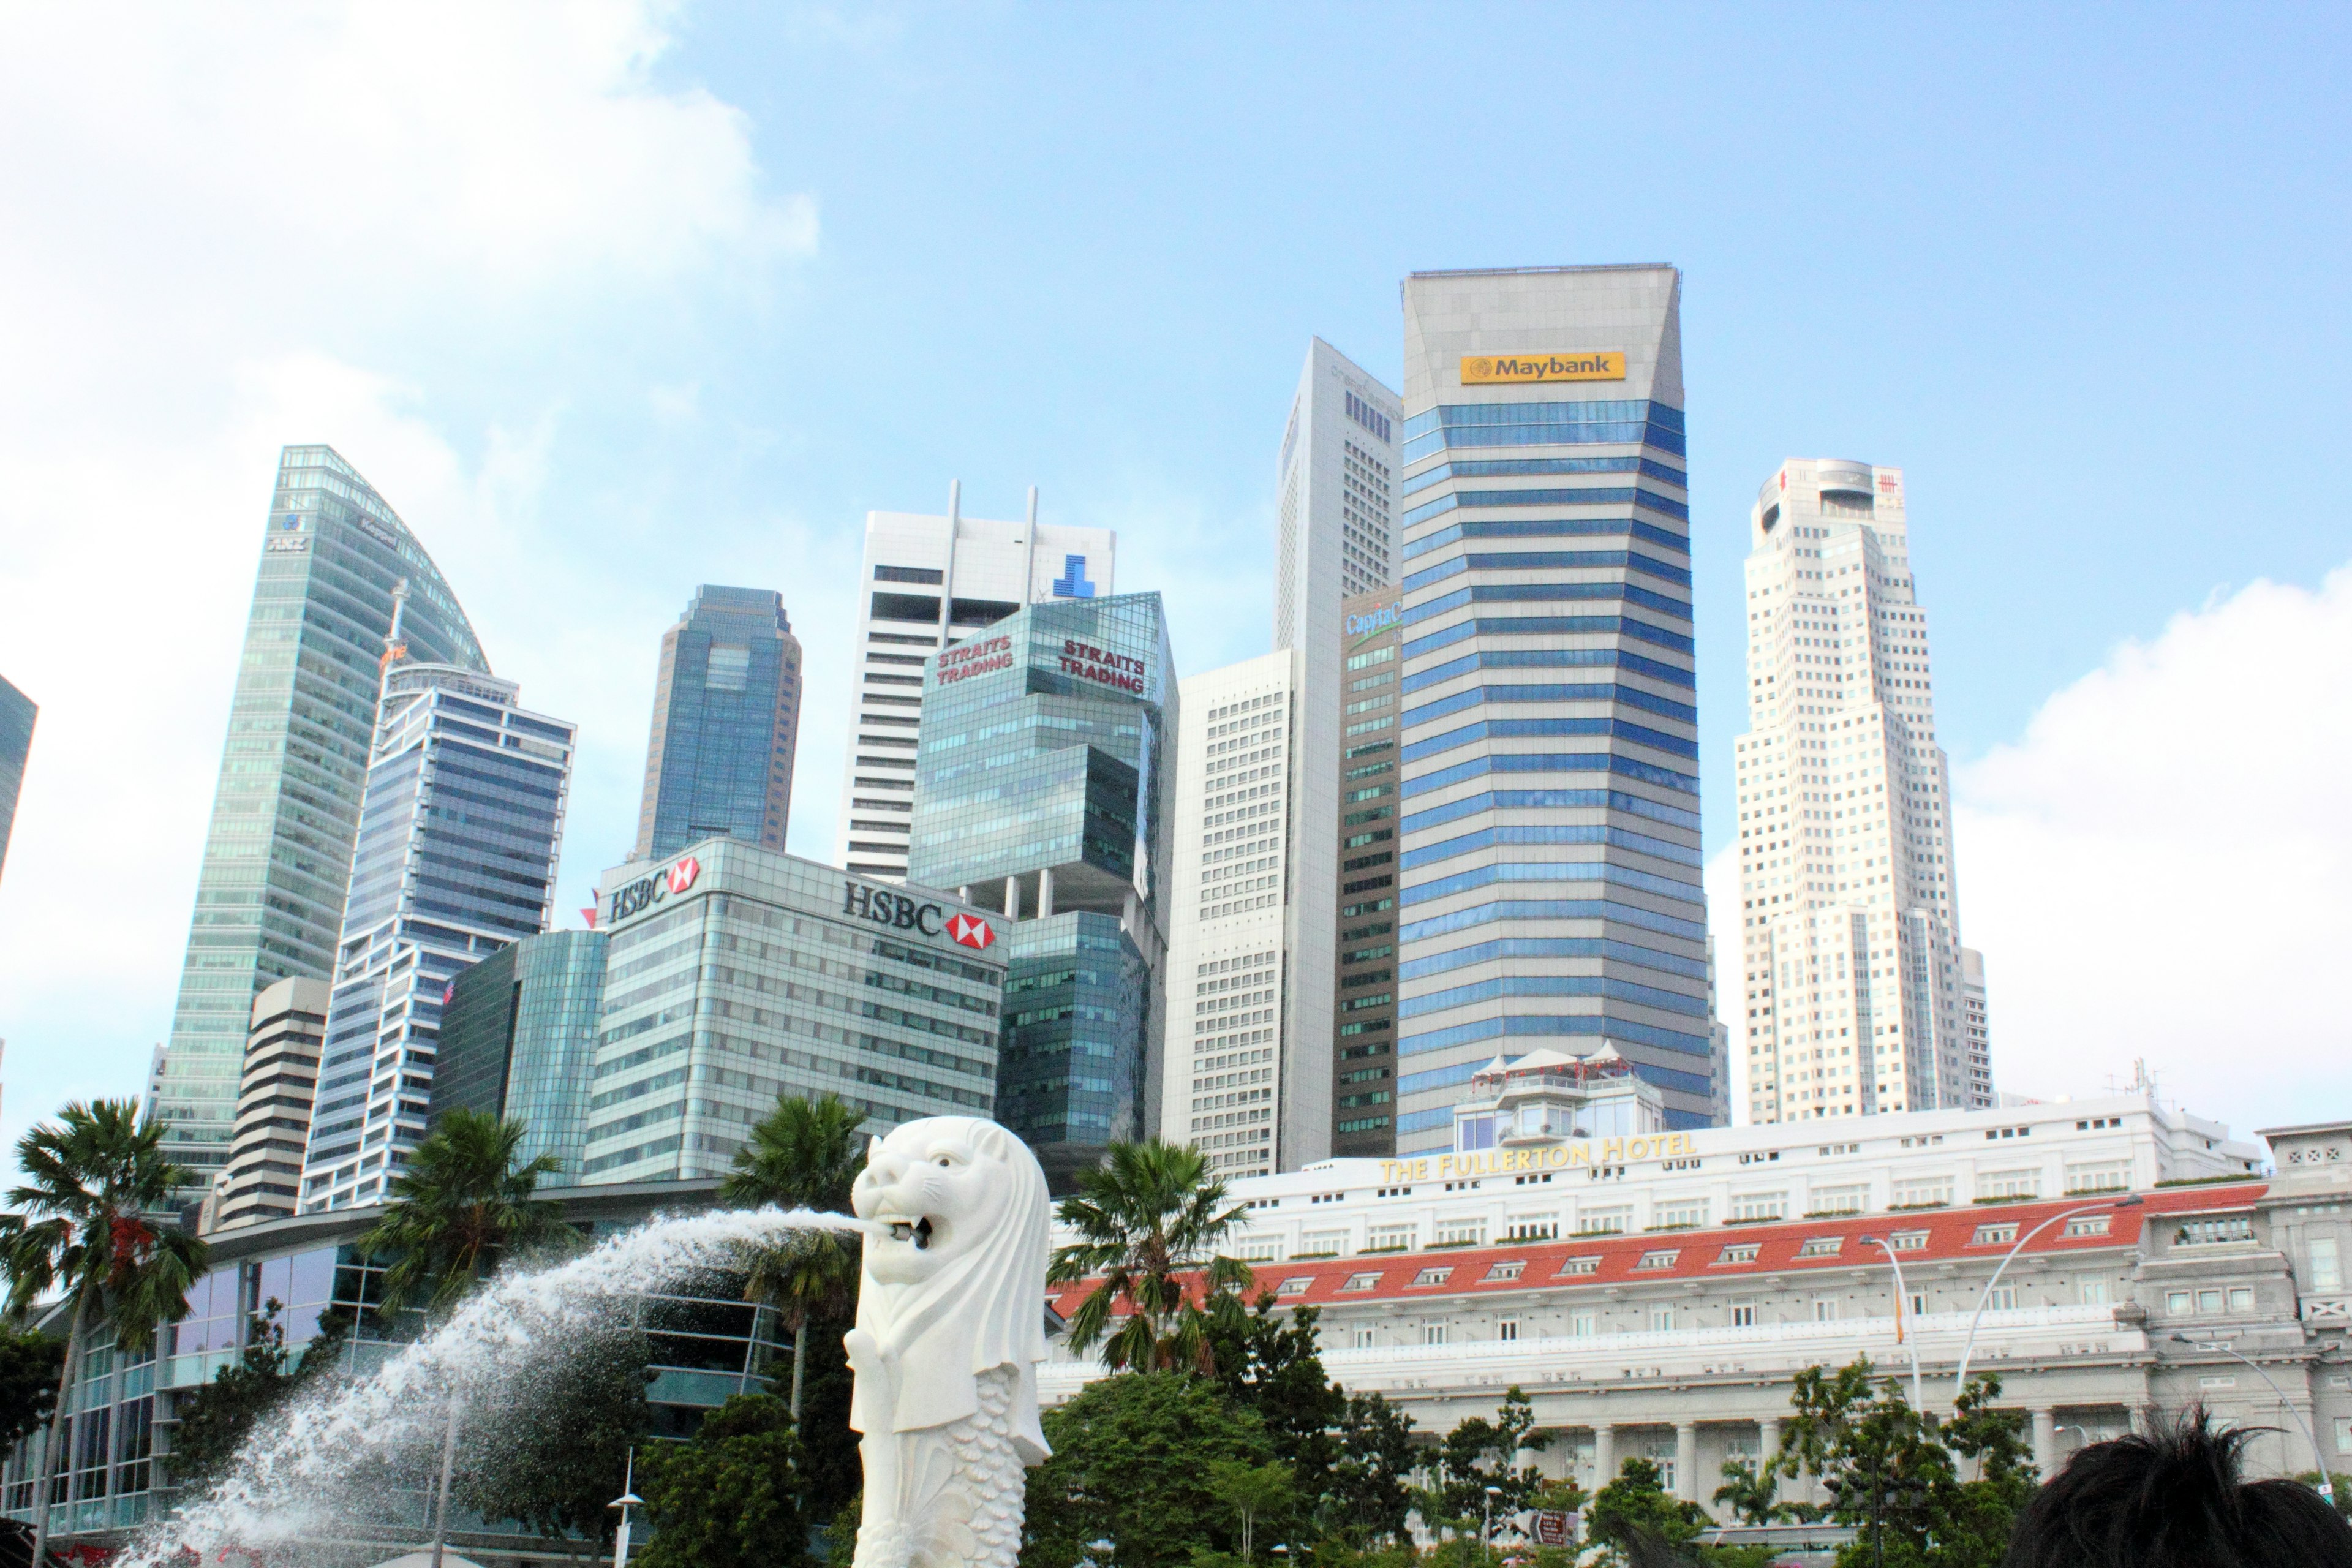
(1549, 896)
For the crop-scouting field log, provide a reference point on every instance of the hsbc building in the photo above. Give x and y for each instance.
(737, 975)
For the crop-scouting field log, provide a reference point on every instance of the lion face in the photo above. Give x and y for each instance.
(937, 1183)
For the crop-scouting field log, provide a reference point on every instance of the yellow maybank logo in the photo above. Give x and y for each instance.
(1602, 364)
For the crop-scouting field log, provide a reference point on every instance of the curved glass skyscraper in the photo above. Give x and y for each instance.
(278, 856)
(727, 715)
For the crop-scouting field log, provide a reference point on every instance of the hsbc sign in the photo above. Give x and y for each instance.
(648, 891)
(886, 907)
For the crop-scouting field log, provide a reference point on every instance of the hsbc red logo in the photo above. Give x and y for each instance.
(970, 930)
(682, 875)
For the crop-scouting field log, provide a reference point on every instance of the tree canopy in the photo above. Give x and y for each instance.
(462, 1205)
(1146, 1217)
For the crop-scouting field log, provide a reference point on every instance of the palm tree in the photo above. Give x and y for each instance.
(460, 1207)
(92, 1222)
(805, 1154)
(1150, 1214)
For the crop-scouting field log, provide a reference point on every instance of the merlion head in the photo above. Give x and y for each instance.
(957, 1285)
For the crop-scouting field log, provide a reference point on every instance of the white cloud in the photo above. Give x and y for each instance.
(2161, 866)
(231, 227)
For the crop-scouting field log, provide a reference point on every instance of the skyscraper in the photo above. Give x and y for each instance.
(1850, 959)
(458, 839)
(1550, 865)
(1364, 1014)
(1245, 1073)
(1042, 792)
(904, 617)
(518, 1039)
(16, 715)
(727, 713)
(277, 855)
(264, 1173)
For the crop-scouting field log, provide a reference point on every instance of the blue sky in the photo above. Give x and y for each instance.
(610, 302)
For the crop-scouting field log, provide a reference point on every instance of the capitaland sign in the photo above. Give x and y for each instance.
(1548, 1157)
(1088, 662)
(1380, 620)
(889, 907)
(647, 892)
(1487, 370)
(981, 655)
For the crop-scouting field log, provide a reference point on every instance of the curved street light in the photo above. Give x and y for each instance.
(1901, 1299)
(1486, 1531)
(2326, 1487)
(1960, 1378)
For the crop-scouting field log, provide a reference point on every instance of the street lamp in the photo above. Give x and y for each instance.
(1900, 1300)
(624, 1502)
(2326, 1487)
(1486, 1531)
(1960, 1378)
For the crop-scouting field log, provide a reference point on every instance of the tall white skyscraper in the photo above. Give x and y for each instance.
(1856, 984)
(1549, 876)
(904, 617)
(1337, 480)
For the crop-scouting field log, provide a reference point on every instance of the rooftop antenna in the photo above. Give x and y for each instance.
(1029, 559)
(395, 648)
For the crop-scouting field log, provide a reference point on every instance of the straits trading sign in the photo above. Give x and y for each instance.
(980, 657)
(1598, 364)
(1550, 1157)
(1088, 662)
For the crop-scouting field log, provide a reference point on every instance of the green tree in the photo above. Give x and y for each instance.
(805, 1154)
(92, 1222)
(30, 1362)
(1254, 1492)
(731, 1497)
(1750, 1490)
(215, 1419)
(555, 1457)
(1132, 1461)
(1479, 1453)
(460, 1207)
(1149, 1216)
(1369, 1495)
(1635, 1505)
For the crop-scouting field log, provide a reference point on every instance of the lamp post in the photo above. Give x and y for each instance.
(2326, 1487)
(1960, 1378)
(1486, 1531)
(1900, 1301)
(624, 1502)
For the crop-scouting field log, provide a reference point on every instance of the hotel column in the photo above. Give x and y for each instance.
(2045, 1438)
(1605, 1454)
(1687, 1460)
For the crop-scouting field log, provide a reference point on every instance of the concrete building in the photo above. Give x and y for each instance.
(1245, 1075)
(1975, 1022)
(263, 1178)
(727, 715)
(277, 854)
(518, 1039)
(1043, 793)
(1656, 1295)
(1850, 931)
(1550, 889)
(707, 1345)
(927, 582)
(736, 975)
(456, 854)
(17, 712)
(1364, 897)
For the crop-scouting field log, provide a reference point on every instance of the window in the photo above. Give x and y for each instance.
(1825, 1308)
(1265, 1251)
(1923, 1191)
(2214, 1232)
(2009, 1184)
(1432, 1334)
(1993, 1236)
(1918, 1303)
(1360, 1281)
(1908, 1241)
(1759, 1205)
(2003, 1298)
(2327, 1272)
(1580, 1266)
(1506, 1327)
(1605, 1222)
(1363, 1339)
(1583, 1325)
(2242, 1299)
(1661, 1259)
(1743, 1253)
(1838, 1200)
(2209, 1300)
(1295, 1287)
(1461, 1231)
(1661, 1319)
(1432, 1277)
(2178, 1302)
(2097, 1293)
(1391, 1239)
(2108, 1176)
(2344, 1434)
(1507, 1270)
(2087, 1224)
(1822, 1246)
(1687, 1215)
(1538, 1227)
(1743, 1314)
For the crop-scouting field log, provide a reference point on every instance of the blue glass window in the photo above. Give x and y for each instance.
(1547, 659)
(1550, 833)
(1546, 527)
(1546, 625)
(1571, 1023)
(1514, 467)
(1553, 872)
(1552, 985)
(1552, 763)
(1632, 698)
(1553, 947)
(1595, 497)
(1540, 560)
(1511, 729)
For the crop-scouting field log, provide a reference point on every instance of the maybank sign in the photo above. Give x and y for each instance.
(1380, 620)
(1600, 365)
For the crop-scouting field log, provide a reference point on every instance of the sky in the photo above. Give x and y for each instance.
(610, 299)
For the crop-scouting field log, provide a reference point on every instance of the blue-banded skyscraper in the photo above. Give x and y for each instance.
(1549, 887)
(458, 841)
(727, 715)
(17, 712)
(277, 855)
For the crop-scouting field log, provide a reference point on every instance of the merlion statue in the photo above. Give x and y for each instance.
(950, 1328)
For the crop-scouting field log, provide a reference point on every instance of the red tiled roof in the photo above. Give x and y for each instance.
(1951, 1233)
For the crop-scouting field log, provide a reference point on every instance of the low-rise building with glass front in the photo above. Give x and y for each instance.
(736, 975)
(1043, 788)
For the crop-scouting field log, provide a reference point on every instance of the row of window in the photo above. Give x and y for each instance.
(1550, 833)
(1548, 528)
(1605, 948)
(1518, 467)
(1539, 593)
(1588, 691)
(1550, 800)
(1549, 625)
(1520, 729)
(1545, 560)
(1598, 495)
(1606, 986)
(1547, 659)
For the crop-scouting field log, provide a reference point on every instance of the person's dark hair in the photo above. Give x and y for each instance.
(2172, 1499)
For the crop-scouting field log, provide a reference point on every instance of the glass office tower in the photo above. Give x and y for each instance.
(17, 712)
(277, 855)
(458, 840)
(1042, 789)
(1549, 830)
(519, 1038)
(727, 715)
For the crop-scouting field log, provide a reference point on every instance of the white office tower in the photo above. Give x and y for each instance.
(1246, 1070)
(926, 582)
(1337, 480)
(1850, 942)
(1550, 891)
(1978, 1023)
